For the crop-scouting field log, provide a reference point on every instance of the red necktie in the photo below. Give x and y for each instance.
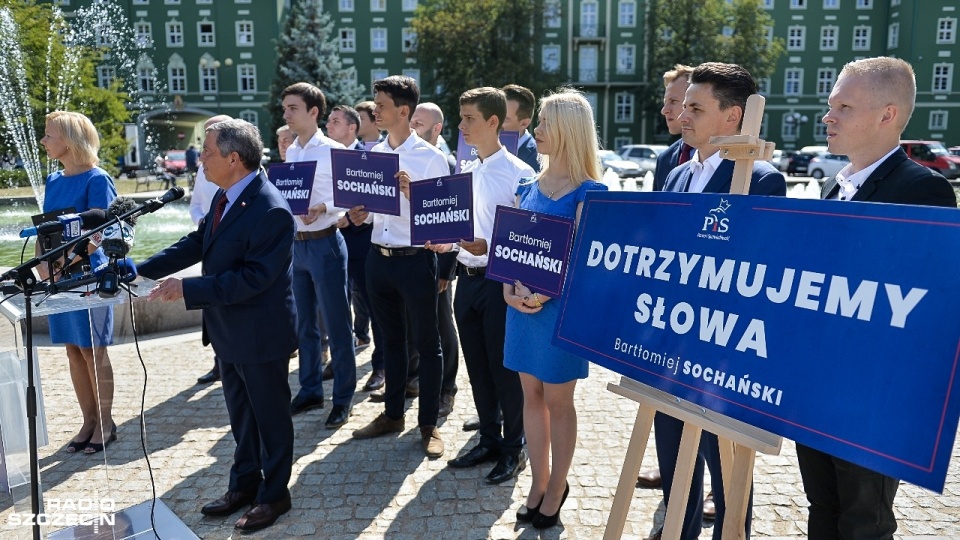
(684, 153)
(218, 213)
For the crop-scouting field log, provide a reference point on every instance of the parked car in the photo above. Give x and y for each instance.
(826, 165)
(955, 150)
(933, 155)
(175, 161)
(798, 162)
(624, 169)
(644, 155)
(776, 157)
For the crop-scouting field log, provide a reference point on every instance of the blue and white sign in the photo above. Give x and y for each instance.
(834, 324)
(295, 183)
(441, 209)
(366, 178)
(467, 152)
(530, 247)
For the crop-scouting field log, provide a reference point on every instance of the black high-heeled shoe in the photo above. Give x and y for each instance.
(526, 514)
(76, 446)
(93, 448)
(542, 521)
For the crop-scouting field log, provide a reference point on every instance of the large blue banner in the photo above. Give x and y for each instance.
(441, 209)
(834, 324)
(366, 178)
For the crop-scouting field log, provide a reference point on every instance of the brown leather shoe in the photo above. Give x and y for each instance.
(378, 396)
(709, 508)
(649, 479)
(431, 441)
(229, 503)
(381, 425)
(446, 404)
(262, 516)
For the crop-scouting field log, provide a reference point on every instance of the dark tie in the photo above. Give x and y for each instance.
(218, 212)
(684, 153)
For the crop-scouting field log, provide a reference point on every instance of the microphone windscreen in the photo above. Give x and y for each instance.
(122, 205)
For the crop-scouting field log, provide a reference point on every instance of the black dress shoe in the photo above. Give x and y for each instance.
(526, 514)
(507, 468)
(477, 455)
(649, 479)
(412, 390)
(303, 403)
(229, 503)
(262, 516)
(211, 376)
(709, 508)
(542, 521)
(338, 416)
(472, 424)
(375, 382)
(328, 372)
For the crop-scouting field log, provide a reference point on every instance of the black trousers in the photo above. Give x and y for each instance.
(482, 316)
(398, 286)
(258, 403)
(846, 500)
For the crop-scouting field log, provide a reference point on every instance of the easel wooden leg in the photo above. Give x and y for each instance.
(737, 488)
(682, 478)
(628, 476)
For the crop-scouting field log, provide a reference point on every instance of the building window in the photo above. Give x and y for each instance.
(144, 34)
(205, 34)
(894, 3)
(864, 4)
(378, 5)
(409, 5)
(137, 2)
(627, 14)
(626, 59)
(551, 14)
(942, 77)
(861, 38)
(796, 36)
(174, 34)
(250, 116)
(763, 86)
(623, 108)
(767, 4)
(146, 75)
(105, 76)
(831, 4)
(825, 79)
(348, 40)
(938, 120)
(946, 31)
(589, 18)
(378, 39)
(768, 33)
(620, 142)
(789, 128)
(208, 80)
(819, 128)
(550, 58)
(244, 33)
(409, 40)
(346, 5)
(893, 35)
(349, 76)
(828, 38)
(377, 74)
(793, 81)
(798, 4)
(247, 78)
(413, 74)
(177, 76)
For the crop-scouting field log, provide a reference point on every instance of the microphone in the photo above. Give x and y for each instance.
(117, 238)
(107, 276)
(172, 194)
(69, 224)
(79, 250)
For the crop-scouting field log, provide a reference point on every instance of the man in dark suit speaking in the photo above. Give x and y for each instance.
(245, 243)
(870, 106)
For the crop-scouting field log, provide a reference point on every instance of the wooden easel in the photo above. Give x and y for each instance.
(739, 442)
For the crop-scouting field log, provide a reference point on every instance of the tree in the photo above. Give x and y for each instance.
(695, 31)
(463, 45)
(308, 51)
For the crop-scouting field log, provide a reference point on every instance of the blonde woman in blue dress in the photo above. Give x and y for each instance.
(567, 143)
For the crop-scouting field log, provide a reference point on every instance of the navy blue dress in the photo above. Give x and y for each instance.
(92, 189)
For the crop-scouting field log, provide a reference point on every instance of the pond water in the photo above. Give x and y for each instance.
(153, 231)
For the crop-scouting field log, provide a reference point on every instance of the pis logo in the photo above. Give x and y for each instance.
(713, 222)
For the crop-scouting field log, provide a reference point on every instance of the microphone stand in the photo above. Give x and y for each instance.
(26, 282)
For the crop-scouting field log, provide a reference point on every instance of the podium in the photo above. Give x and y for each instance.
(103, 519)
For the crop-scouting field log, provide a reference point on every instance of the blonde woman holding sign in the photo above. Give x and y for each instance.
(567, 142)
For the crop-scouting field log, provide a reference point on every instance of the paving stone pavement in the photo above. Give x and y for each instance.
(385, 487)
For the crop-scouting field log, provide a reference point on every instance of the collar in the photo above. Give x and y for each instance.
(524, 137)
(316, 140)
(499, 154)
(234, 191)
(713, 162)
(850, 184)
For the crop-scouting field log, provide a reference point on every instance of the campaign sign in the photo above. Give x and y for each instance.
(835, 324)
(531, 247)
(366, 178)
(467, 152)
(295, 183)
(441, 209)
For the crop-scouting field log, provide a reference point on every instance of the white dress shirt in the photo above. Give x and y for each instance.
(702, 172)
(317, 149)
(201, 196)
(495, 182)
(849, 185)
(421, 160)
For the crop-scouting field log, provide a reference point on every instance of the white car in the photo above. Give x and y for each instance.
(624, 169)
(644, 155)
(826, 165)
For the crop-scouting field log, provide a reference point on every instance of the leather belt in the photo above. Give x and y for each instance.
(316, 235)
(397, 251)
(473, 270)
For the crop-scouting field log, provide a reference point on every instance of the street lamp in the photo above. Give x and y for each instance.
(795, 119)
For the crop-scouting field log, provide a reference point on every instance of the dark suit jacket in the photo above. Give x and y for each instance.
(245, 289)
(765, 180)
(666, 162)
(527, 152)
(900, 180)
